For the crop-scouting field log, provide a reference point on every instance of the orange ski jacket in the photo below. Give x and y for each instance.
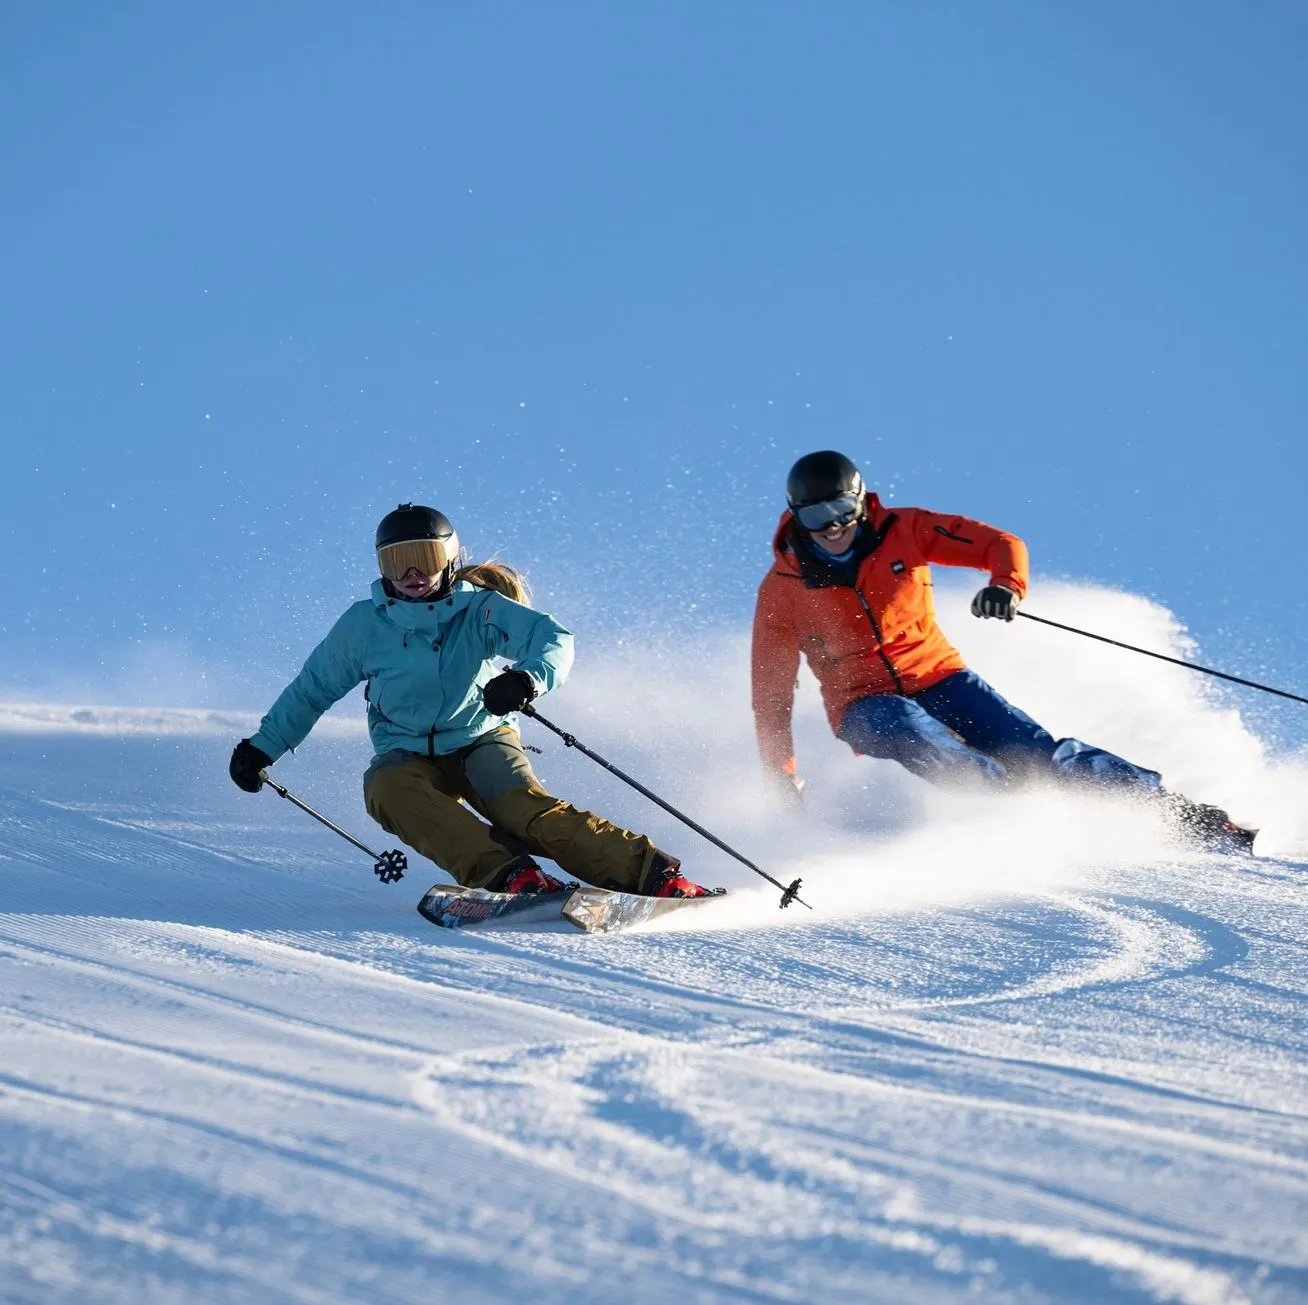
(878, 635)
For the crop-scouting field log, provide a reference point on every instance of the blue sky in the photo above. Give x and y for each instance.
(589, 276)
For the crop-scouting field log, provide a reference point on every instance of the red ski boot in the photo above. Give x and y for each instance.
(675, 884)
(532, 879)
(1206, 828)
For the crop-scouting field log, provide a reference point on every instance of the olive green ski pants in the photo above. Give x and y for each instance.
(424, 801)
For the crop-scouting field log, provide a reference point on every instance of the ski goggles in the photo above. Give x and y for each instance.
(839, 511)
(426, 556)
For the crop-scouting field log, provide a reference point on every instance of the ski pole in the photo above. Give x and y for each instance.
(788, 895)
(389, 867)
(1163, 657)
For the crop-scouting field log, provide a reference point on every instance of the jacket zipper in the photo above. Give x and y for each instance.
(881, 648)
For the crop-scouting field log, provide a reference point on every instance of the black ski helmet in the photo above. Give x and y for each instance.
(819, 477)
(415, 537)
(410, 521)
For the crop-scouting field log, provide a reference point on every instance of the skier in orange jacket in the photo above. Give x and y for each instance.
(850, 589)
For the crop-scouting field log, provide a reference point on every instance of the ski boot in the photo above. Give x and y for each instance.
(528, 877)
(1205, 828)
(675, 884)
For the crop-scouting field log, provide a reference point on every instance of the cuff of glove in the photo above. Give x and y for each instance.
(269, 750)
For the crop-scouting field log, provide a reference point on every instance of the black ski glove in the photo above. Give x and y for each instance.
(997, 601)
(246, 763)
(507, 692)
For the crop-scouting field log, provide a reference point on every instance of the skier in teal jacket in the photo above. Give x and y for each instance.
(425, 664)
(442, 719)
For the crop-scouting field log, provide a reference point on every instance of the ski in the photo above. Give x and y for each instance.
(599, 910)
(454, 907)
(594, 910)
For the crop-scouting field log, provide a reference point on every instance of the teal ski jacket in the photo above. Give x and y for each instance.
(424, 664)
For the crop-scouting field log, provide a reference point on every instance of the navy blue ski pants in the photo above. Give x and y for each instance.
(961, 730)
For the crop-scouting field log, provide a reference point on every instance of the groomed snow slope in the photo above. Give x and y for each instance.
(1022, 1051)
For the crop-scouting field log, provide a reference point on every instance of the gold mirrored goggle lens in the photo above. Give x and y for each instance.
(428, 556)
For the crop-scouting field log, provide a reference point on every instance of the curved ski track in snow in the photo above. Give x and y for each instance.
(236, 1068)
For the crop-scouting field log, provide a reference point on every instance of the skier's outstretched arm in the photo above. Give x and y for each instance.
(331, 671)
(774, 668)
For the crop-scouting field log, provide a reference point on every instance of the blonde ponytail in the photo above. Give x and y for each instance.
(495, 575)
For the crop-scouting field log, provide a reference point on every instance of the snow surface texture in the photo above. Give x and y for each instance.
(1022, 1050)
